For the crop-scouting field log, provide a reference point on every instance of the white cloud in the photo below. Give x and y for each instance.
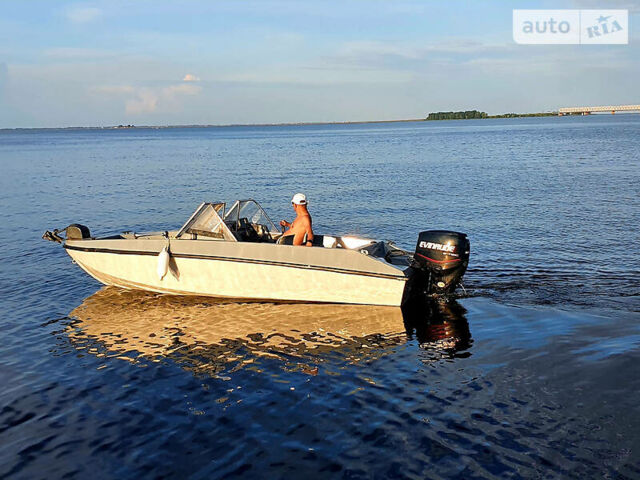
(632, 5)
(468, 57)
(173, 90)
(140, 100)
(284, 37)
(145, 101)
(364, 49)
(315, 76)
(78, 53)
(362, 53)
(190, 78)
(4, 73)
(113, 89)
(79, 14)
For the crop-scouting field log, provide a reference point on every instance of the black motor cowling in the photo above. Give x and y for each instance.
(75, 231)
(440, 260)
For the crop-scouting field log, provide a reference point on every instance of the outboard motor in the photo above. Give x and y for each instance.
(75, 231)
(440, 261)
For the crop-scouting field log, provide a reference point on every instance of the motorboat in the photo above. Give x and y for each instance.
(239, 253)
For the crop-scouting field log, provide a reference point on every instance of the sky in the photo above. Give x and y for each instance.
(158, 62)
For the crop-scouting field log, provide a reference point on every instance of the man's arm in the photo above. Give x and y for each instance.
(309, 235)
(287, 228)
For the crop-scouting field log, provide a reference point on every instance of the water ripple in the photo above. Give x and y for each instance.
(531, 374)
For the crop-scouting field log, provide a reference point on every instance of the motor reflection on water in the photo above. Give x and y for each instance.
(209, 336)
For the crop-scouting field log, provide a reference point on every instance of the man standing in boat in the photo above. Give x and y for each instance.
(300, 228)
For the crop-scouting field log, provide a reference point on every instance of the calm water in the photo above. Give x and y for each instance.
(534, 373)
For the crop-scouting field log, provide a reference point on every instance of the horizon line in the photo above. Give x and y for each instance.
(281, 124)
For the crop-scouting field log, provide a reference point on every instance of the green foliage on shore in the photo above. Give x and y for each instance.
(517, 115)
(469, 114)
(456, 115)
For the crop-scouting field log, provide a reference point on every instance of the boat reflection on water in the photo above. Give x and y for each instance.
(438, 323)
(209, 336)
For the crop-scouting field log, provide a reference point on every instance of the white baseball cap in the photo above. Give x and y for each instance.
(299, 199)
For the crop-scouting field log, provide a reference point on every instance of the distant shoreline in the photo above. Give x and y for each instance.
(223, 125)
(478, 115)
(287, 124)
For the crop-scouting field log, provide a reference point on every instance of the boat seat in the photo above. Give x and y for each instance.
(325, 241)
(328, 241)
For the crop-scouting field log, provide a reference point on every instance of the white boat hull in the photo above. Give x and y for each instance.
(241, 277)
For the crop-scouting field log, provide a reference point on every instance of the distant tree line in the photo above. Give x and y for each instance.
(468, 114)
(519, 115)
(457, 115)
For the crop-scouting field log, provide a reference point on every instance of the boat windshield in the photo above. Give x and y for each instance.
(207, 221)
(248, 220)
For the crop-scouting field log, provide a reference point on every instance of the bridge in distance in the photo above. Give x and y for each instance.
(605, 108)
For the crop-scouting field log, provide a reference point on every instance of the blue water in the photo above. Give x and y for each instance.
(531, 373)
